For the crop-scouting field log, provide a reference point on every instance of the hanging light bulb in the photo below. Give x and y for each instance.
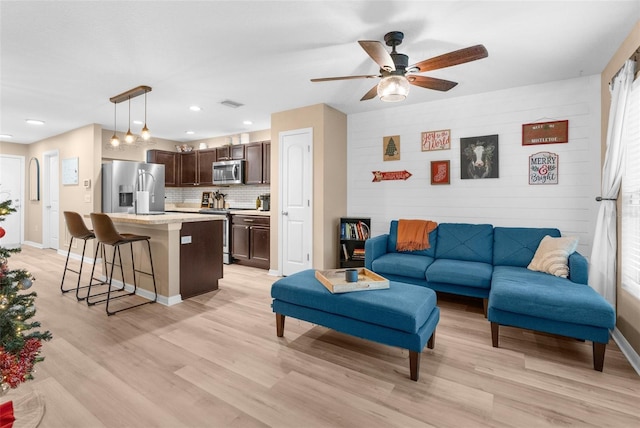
(115, 141)
(145, 133)
(129, 137)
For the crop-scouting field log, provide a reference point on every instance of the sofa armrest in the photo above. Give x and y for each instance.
(578, 268)
(374, 248)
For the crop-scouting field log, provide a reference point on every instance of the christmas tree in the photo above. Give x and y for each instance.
(19, 343)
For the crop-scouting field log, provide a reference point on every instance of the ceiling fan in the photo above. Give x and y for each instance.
(396, 74)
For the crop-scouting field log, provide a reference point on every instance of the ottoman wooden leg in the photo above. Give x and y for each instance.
(280, 325)
(414, 364)
(432, 340)
(495, 327)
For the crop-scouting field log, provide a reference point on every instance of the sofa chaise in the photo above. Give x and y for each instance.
(491, 263)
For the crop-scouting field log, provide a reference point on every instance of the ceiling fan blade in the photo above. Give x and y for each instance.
(452, 58)
(371, 94)
(363, 76)
(431, 83)
(378, 53)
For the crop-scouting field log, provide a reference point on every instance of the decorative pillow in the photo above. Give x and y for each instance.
(552, 255)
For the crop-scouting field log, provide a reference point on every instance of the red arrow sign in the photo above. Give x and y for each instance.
(390, 175)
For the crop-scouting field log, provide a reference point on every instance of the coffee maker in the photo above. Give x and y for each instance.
(265, 202)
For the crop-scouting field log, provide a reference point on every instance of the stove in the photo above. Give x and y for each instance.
(221, 211)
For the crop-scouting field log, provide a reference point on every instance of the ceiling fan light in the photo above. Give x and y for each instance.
(393, 88)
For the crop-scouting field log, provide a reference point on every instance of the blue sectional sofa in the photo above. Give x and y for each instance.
(480, 260)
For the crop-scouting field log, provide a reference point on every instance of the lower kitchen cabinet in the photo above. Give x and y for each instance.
(200, 257)
(250, 240)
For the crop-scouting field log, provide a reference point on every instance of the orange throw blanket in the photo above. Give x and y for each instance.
(414, 234)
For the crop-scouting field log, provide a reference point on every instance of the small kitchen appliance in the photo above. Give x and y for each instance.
(265, 202)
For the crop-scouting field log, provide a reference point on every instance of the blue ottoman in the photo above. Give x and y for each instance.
(404, 315)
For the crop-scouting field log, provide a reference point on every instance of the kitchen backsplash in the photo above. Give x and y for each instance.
(237, 196)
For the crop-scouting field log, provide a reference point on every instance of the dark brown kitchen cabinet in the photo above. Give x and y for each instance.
(230, 152)
(258, 156)
(195, 167)
(266, 162)
(170, 160)
(206, 158)
(200, 257)
(250, 240)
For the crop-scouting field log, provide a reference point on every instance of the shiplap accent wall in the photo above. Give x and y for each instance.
(505, 201)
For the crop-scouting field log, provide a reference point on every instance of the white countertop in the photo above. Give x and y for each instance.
(177, 210)
(166, 218)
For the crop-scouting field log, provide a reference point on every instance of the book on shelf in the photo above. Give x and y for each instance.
(345, 252)
(358, 254)
(354, 230)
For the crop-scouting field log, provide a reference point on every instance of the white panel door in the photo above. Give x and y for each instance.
(11, 187)
(296, 189)
(51, 194)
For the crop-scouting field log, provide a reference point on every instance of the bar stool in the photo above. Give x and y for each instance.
(77, 230)
(107, 234)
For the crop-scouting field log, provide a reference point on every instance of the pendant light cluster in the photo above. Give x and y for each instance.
(129, 137)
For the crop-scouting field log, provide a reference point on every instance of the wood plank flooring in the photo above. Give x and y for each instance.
(215, 361)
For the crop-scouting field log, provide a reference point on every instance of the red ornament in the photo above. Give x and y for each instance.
(2, 232)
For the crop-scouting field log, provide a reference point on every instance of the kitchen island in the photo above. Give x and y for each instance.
(186, 249)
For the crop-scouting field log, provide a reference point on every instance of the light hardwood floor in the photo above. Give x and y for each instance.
(215, 361)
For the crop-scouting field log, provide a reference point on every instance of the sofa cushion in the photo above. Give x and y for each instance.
(469, 242)
(403, 307)
(515, 246)
(405, 264)
(460, 272)
(393, 239)
(536, 294)
(552, 255)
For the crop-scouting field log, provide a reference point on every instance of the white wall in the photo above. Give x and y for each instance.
(505, 201)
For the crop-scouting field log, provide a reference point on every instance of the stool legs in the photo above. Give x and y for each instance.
(109, 281)
(79, 271)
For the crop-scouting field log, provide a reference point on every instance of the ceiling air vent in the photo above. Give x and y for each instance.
(231, 104)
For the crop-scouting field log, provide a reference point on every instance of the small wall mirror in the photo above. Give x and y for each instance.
(34, 179)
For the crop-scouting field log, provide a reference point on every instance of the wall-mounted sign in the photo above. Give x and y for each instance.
(440, 172)
(436, 140)
(543, 168)
(391, 148)
(545, 132)
(390, 175)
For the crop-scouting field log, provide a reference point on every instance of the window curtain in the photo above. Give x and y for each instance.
(602, 267)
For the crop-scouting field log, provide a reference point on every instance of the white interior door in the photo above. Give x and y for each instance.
(12, 187)
(51, 201)
(296, 220)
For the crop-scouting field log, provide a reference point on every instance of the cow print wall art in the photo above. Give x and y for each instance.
(479, 157)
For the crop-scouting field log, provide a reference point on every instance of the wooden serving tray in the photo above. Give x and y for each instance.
(334, 280)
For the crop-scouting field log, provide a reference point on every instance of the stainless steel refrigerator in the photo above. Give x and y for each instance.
(133, 187)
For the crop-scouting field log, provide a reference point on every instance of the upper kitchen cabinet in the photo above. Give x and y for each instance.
(170, 161)
(230, 152)
(258, 156)
(196, 167)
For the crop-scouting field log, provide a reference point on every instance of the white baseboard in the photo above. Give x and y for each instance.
(163, 300)
(273, 272)
(627, 350)
(32, 244)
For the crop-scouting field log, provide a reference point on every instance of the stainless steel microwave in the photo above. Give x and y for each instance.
(228, 172)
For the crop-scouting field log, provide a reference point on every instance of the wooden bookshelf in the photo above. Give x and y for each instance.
(353, 232)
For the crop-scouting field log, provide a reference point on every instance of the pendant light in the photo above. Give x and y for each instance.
(129, 137)
(115, 141)
(145, 134)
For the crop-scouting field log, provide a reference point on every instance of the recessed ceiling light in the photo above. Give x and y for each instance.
(138, 122)
(247, 122)
(34, 122)
(189, 132)
(195, 108)
(6, 136)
